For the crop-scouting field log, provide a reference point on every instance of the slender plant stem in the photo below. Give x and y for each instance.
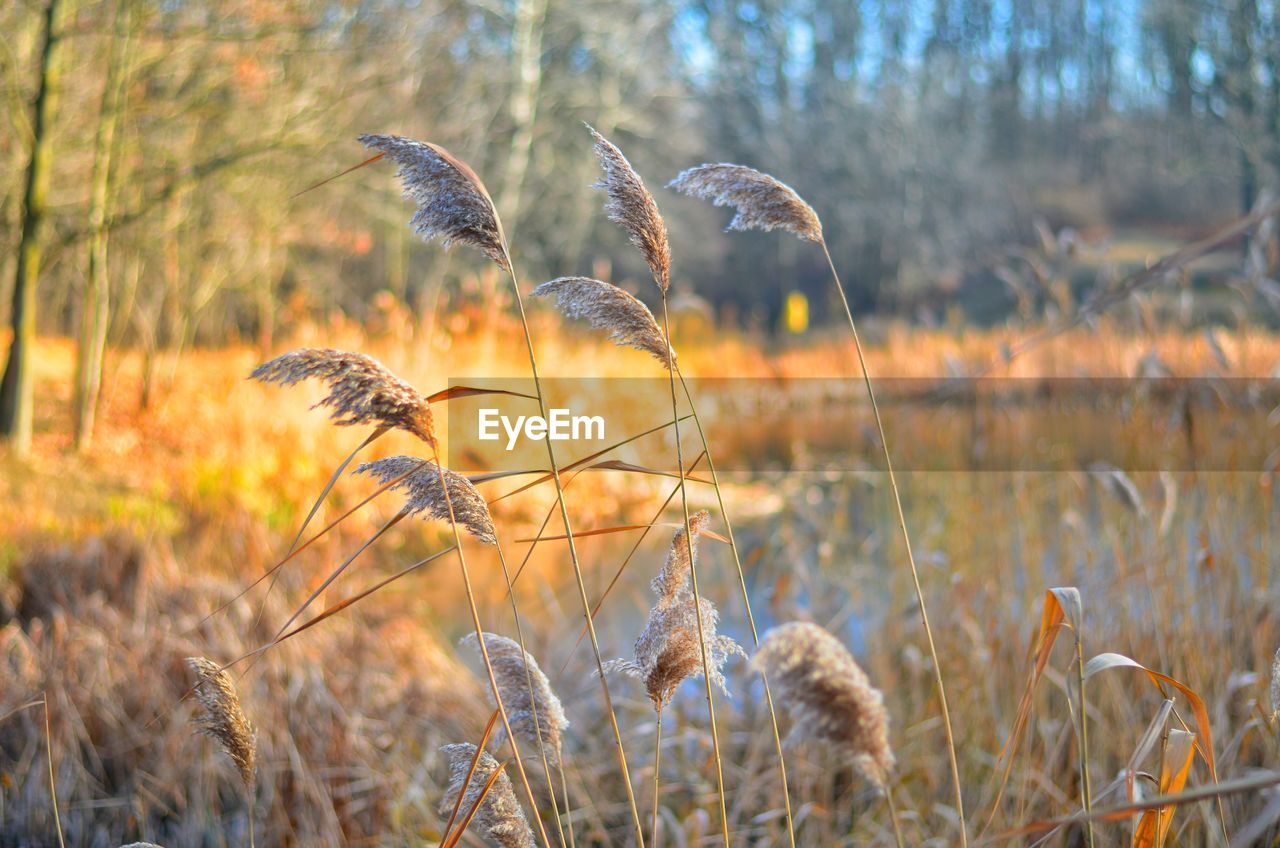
(568, 810)
(893, 817)
(484, 652)
(657, 776)
(1084, 741)
(533, 700)
(746, 599)
(573, 558)
(693, 580)
(911, 560)
(53, 789)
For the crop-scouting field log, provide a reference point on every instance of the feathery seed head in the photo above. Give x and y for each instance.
(499, 819)
(828, 695)
(606, 307)
(452, 202)
(667, 652)
(632, 207)
(222, 718)
(510, 665)
(672, 581)
(761, 201)
(361, 389)
(423, 493)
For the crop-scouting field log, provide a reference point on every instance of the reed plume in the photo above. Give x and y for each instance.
(632, 207)
(361, 389)
(668, 650)
(423, 493)
(761, 201)
(673, 579)
(499, 819)
(222, 719)
(828, 695)
(533, 710)
(606, 307)
(452, 203)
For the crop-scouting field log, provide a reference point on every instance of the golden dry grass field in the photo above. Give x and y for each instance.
(114, 564)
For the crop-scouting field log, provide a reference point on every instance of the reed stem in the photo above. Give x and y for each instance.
(1084, 741)
(573, 558)
(533, 700)
(657, 774)
(911, 560)
(484, 653)
(693, 580)
(746, 599)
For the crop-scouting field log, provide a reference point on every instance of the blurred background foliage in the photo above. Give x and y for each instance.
(932, 136)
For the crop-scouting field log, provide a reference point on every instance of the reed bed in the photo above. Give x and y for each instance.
(860, 718)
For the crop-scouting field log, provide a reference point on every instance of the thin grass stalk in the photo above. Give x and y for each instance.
(893, 817)
(484, 652)
(475, 761)
(568, 811)
(693, 581)
(573, 558)
(1084, 740)
(53, 789)
(475, 807)
(533, 700)
(657, 772)
(746, 599)
(911, 560)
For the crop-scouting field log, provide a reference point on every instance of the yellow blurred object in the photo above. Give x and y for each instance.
(795, 313)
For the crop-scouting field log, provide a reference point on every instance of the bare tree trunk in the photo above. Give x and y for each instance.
(95, 310)
(16, 394)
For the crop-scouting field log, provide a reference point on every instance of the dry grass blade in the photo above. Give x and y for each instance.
(762, 202)
(494, 804)
(586, 460)
(1175, 766)
(472, 391)
(1123, 812)
(533, 710)
(828, 695)
(452, 202)
(361, 389)
(337, 572)
(423, 493)
(1061, 605)
(53, 786)
(632, 207)
(606, 307)
(221, 717)
(620, 528)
